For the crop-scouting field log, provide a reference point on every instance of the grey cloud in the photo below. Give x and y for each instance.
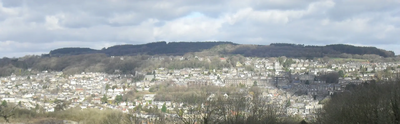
(353, 8)
(281, 4)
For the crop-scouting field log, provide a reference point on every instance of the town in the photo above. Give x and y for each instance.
(294, 85)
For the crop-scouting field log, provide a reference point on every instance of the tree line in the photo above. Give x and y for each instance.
(300, 51)
(155, 48)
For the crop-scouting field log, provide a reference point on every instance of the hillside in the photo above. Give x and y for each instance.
(74, 60)
(72, 51)
(298, 51)
(156, 48)
(272, 50)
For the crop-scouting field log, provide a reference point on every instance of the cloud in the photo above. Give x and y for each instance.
(53, 22)
(27, 26)
(193, 27)
(25, 48)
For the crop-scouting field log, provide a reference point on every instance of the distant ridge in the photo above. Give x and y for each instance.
(272, 50)
(72, 51)
(310, 51)
(155, 48)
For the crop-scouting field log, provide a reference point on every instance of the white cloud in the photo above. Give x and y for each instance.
(53, 22)
(189, 29)
(276, 16)
(123, 18)
(138, 33)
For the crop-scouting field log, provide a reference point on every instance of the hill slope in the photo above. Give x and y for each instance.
(156, 48)
(297, 51)
(77, 60)
(272, 50)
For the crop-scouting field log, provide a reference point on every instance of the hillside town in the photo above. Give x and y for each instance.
(295, 86)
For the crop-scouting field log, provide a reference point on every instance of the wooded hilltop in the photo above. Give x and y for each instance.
(272, 50)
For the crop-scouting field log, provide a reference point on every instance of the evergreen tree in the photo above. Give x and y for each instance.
(118, 99)
(4, 103)
(37, 107)
(164, 108)
(341, 73)
(104, 99)
(107, 87)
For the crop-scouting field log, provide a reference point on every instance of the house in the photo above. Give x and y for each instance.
(149, 97)
(149, 77)
(50, 109)
(238, 82)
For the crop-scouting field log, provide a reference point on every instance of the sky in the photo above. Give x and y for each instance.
(34, 27)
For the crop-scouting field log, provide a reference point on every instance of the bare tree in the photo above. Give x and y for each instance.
(235, 108)
(371, 103)
(6, 111)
